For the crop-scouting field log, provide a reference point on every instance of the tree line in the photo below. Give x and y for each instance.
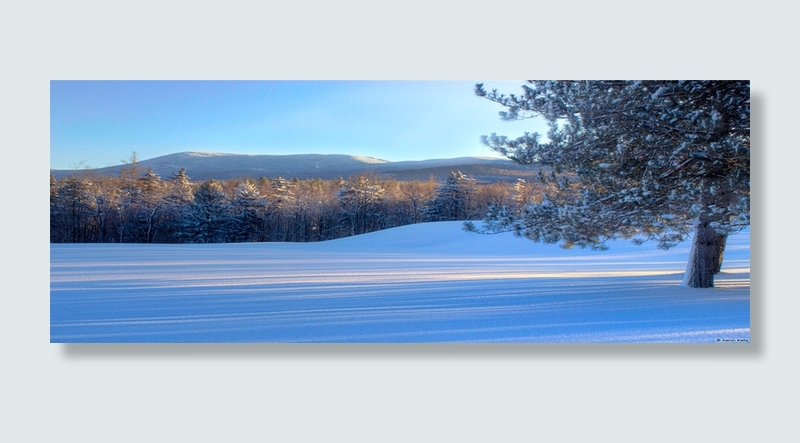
(142, 207)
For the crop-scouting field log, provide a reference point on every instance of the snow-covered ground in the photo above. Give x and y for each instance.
(429, 282)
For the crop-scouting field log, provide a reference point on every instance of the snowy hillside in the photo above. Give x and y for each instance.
(418, 283)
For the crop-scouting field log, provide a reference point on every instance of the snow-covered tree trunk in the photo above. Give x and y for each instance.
(705, 257)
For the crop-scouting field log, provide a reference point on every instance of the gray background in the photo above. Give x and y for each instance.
(408, 392)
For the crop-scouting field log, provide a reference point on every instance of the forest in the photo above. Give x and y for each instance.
(141, 207)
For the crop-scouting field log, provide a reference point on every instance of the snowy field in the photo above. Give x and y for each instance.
(429, 282)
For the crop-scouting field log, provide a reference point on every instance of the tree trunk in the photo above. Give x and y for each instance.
(705, 257)
(721, 240)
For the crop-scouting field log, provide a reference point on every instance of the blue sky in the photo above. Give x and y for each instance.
(100, 123)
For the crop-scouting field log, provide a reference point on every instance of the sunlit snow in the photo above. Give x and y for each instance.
(419, 283)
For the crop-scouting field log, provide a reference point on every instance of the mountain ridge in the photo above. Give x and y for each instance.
(201, 166)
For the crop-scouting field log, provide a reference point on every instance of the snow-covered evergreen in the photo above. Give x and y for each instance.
(452, 200)
(361, 197)
(71, 208)
(150, 205)
(208, 218)
(281, 209)
(640, 159)
(248, 213)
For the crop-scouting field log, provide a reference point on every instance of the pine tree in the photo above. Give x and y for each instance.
(645, 159)
(208, 218)
(360, 197)
(281, 209)
(71, 210)
(179, 195)
(180, 188)
(453, 199)
(151, 205)
(248, 213)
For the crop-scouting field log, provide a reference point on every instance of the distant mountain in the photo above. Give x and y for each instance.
(201, 166)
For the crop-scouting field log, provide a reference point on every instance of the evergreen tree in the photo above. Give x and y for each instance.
(208, 218)
(180, 188)
(644, 159)
(150, 205)
(179, 196)
(248, 213)
(281, 209)
(71, 210)
(360, 197)
(518, 191)
(453, 199)
(55, 235)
